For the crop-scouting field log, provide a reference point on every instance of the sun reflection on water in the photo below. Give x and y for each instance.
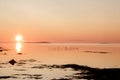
(18, 43)
(18, 47)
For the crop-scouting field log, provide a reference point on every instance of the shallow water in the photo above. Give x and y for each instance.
(37, 60)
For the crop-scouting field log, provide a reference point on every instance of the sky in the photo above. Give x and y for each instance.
(60, 20)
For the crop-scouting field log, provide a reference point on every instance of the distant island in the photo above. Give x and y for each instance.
(38, 42)
(27, 42)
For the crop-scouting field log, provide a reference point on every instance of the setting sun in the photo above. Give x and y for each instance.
(18, 38)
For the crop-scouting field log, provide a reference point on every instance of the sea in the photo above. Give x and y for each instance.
(56, 61)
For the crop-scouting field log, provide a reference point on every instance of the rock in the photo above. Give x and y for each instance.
(12, 62)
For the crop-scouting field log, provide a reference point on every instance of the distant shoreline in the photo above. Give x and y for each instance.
(26, 42)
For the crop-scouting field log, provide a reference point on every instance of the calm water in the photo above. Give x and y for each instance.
(37, 60)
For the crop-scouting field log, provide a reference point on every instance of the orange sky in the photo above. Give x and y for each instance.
(60, 20)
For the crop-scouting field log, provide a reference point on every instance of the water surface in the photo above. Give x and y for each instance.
(49, 61)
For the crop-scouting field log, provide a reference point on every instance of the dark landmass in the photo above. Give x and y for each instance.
(87, 72)
(80, 71)
(101, 52)
(95, 73)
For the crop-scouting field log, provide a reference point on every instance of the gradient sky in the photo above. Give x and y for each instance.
(60, 20)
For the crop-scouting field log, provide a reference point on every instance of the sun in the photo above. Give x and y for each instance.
(18, 38)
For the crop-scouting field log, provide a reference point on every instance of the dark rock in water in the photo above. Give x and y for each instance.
(12, 62)
(6, 77)
(101, 52)
(4, 53)
(19, 53)
(1, 50)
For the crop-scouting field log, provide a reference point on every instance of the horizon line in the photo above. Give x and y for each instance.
(56, 42)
